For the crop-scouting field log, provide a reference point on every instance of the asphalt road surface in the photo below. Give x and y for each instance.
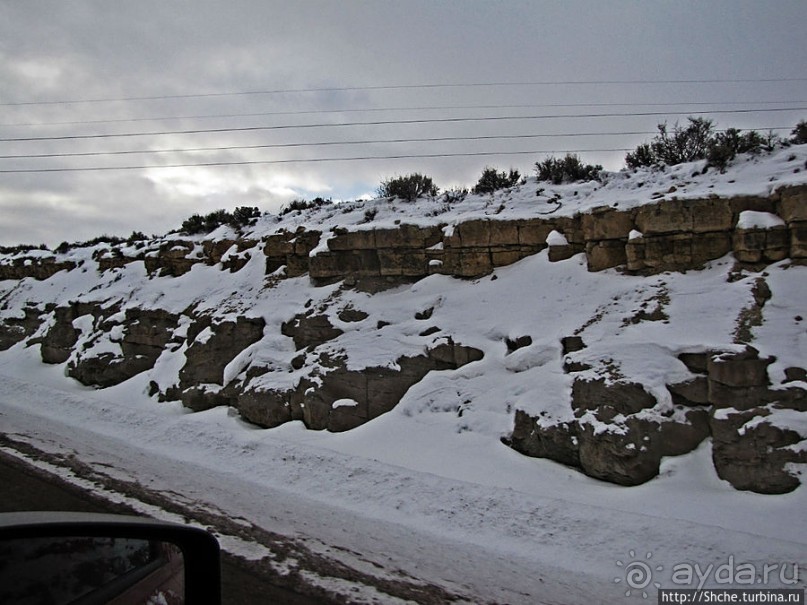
(24, 488)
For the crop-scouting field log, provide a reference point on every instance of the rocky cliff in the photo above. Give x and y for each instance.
(332, 321)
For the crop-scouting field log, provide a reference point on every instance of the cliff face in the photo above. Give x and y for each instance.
(668, 235)
(336, 326)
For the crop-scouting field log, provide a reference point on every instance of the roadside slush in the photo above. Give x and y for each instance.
(26, 488)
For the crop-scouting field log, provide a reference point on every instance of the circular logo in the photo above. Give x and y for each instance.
(638, 574)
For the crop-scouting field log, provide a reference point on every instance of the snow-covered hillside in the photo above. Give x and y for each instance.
(427, 492)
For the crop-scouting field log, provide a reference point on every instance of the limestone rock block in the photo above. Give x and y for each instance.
(268, 408)
(533, 232)
(309, 330)
(752, 453)
(633, 456)
(709, 246)
(402, 262)
(501, 257)
(609, 399)
(354, 240)
(743, 369)
(215, 346)
(605, 254)
(798, 239)
(711, 215)
(793, 204)
(557, 442)
(474, 234)
(503, 233)
(691, 392)
(758, 244)
(561, 252)
(605, 223)
(473, 262)
(664, 217)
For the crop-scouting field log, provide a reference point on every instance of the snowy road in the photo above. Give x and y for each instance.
(533, 533)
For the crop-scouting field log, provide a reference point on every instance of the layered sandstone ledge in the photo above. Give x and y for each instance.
(669, 235)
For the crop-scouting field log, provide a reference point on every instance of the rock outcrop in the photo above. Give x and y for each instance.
(615, 428)
(114, 346)
(17, 329)
(620, 432)
(138, 339)
(344, 399)
(35, 267)
(668, 235)
(613, 437)
(212, 346)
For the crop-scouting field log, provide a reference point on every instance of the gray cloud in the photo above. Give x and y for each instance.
(52, 50)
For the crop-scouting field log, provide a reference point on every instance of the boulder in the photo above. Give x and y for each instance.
(752, 453)
(513, 344)
(171, 259)
(690, 392)
(572, 344)
(739, 369)
(631, 453)
(626, 453)
(606, 223)
(145, 334)
(38, 268)
(798, 239)
(605, 254)
(343, 399)
(556, 442)
(267, 408)
(753, 245)
(793, 204)
(16, 329)
(609, 399)
(213, 346)
(309, 330)
(57, 344)
(107, 369)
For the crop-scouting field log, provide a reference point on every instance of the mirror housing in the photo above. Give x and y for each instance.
(156, 549)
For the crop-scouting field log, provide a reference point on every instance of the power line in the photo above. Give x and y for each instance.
(383, 109)
(405, 87)
(391, 122)
(317, 144)
(336, 143)
(311, 160)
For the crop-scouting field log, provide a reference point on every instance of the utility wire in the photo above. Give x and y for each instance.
(332, 143)
(405, 87)
(383, 109)
(305, 161)
(391, 122)
(317, 144)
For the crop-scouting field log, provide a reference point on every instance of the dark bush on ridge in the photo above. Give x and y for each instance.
(491, 180)
(725, 146)
(409, 187)
(243, 215)
(300, 205)
(799, 133)
(21, 248)
(684, 144)
(698, 141)
(567, 169)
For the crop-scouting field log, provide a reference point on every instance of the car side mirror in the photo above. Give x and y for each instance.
(89, 559)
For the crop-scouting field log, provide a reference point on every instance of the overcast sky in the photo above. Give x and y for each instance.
(79, 68)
